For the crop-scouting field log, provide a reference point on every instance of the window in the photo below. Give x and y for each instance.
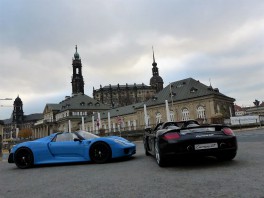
(185, 114)
(193, 90)
(148, 120)
(158, 118)
(200, 112)
(64, 137)
(172, 116)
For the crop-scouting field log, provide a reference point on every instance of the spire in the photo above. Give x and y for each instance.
(154, 63)
(77, 78)
(156, 81)
(76, 55)
(155, 70)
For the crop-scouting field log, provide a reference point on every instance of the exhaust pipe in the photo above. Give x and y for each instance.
(189, 148)
(222, 145)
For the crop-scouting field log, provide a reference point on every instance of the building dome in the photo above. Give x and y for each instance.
(155, 80)
(18, 101)
(76, 54)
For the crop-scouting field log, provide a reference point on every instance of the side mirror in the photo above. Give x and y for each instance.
(77, 139)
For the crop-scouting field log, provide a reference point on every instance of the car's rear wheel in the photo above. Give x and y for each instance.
(226, 156)
(23, 158)
(100, 152)
(146, 152)
(159, 158)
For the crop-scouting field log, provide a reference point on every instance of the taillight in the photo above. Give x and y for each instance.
(171, 136)
(228, 131)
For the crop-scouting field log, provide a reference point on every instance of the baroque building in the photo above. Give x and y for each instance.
(123, 95)
(187, 99)
(19, 121)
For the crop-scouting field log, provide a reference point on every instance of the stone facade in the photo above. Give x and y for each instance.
(187, 99)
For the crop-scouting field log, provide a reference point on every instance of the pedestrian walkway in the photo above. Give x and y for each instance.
(4, 155)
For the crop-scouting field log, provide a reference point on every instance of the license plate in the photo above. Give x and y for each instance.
(205, 146)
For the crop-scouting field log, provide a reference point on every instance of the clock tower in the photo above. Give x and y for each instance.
(77, 78)
(18, 114)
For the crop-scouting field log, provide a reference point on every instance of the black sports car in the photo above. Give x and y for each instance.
(170, 140)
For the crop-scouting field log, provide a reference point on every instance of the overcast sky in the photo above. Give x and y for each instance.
(217, 41)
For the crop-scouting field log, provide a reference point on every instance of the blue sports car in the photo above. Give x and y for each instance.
(68, 147)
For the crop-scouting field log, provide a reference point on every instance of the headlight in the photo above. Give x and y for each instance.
(120, 142)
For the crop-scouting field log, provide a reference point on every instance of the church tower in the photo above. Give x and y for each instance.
(156, 81)
(77, 78)
(18, 114)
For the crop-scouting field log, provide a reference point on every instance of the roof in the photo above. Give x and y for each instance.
(54, 107)
(130, 109)
(183, 90)
(33, 117)
(8, 121)
(27, 118)
(238, 108)
(130, 86)
(81, 101)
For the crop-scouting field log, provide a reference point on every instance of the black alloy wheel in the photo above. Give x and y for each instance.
(100, 152)
(159, 158)
(23, 158)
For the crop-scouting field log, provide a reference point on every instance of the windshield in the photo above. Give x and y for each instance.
(198, 130)
(86, 135)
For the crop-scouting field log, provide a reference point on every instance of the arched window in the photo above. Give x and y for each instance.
(158, 118)
(200, 112)
(172, 116)
(185, 114)
(148, 120)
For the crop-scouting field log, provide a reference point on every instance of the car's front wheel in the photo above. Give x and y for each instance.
(159, 158)
(100, 152)
(23, 158)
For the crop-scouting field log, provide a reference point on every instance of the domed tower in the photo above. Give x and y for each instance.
(18, 114)
(77, 78)
(156, 81)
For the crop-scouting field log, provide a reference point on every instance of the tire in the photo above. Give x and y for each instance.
(24, 158)
(226, 157)
(159, 158)
(100, 152)
(145, 147)
(146, 152)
